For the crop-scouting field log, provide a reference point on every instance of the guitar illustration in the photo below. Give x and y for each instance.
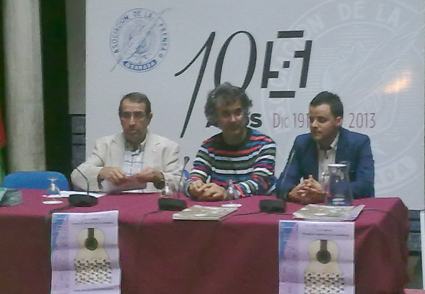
(92, 264)
(323, 274)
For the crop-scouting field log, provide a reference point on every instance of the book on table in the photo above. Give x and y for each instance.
(199, 212)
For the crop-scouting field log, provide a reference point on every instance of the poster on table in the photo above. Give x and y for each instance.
(316, 257)
(84, 253)
(371, 53)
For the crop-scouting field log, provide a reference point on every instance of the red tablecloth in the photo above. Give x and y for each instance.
(237, 255)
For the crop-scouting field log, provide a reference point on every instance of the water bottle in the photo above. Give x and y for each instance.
(231, 191)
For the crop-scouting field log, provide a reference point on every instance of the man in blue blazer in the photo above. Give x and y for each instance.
(328, 142)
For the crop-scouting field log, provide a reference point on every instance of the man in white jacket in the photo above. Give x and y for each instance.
(134, 155)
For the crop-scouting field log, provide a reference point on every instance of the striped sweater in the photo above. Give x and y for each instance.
(250, 164)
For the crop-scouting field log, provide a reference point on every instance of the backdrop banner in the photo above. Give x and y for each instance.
(370, 53)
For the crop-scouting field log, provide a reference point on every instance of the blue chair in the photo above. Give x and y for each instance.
(35, 180)
(186, 174)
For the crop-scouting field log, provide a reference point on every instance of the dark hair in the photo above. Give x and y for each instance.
(136, 97)
(228, 94)
(333, 100)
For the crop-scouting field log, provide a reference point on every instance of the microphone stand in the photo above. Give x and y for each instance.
(80, 200)
(74, 200)
(174, 204)
(276, 205)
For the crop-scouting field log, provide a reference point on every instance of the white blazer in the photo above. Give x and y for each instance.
(161, 154)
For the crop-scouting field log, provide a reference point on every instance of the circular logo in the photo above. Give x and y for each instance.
(139, 40)
(368, 55)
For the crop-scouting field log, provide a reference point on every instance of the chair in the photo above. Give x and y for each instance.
(186, 174)
(35, 180)
(414, 233)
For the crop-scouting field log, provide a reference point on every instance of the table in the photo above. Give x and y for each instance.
(237, 255)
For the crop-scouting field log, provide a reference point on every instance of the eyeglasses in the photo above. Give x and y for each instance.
(138, 115)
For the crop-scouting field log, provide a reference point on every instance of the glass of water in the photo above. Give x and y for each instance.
(53, 193)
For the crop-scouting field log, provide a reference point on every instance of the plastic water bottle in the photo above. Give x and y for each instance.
(231, 191)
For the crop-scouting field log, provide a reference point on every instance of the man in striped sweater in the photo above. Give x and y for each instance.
(239, 153)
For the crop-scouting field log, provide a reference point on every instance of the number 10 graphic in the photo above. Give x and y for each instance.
(267, 73)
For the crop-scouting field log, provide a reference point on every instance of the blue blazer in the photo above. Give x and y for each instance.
(352, 147)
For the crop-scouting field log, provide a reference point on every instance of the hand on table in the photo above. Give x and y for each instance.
(207, 192)
(309, 191)
(196, 189)
(213, 192)
(148, 174)
(115, 175)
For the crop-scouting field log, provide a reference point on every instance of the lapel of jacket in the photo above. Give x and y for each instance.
(342, 146)
(117, 150)
(151, 151)
(312, 167)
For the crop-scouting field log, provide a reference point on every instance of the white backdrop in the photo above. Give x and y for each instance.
(371, 53)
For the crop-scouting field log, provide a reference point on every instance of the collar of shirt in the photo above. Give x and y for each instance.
(140, 148)
(326, 157)
(333, 144)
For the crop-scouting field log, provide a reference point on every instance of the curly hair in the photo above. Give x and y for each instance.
(226, 94)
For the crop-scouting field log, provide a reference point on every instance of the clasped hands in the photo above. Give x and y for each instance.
(116, 175)
(207, 192)
(308, 191)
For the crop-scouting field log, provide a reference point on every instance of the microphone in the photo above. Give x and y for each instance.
(277, 205)
(185, 161)
(80, 200)
(174, 204)
(291, 158)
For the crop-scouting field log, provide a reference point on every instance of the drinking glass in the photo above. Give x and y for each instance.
(53, 193)
(324, 182)
(167, 191)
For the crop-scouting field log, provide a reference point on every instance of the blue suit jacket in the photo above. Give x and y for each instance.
(352, 147)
